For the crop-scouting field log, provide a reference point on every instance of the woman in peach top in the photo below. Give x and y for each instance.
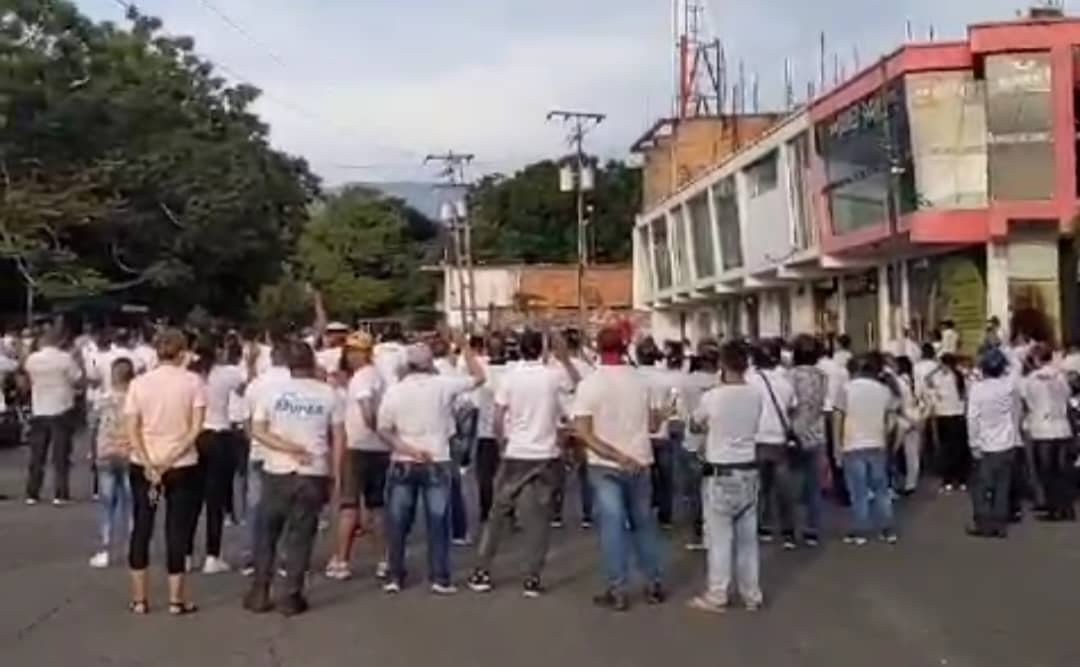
(165, 409)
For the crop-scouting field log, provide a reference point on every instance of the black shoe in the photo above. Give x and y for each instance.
(480, 581)
(655, 593)
(532, 588)
(612, 600)
(257, 600)
(293, 605)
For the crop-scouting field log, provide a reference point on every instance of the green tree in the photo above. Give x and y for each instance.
(129, 164)
(364, 251)
(525, 218)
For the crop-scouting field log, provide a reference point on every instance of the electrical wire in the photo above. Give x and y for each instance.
(212, 8)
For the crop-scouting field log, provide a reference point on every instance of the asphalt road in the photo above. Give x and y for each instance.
(938, 599)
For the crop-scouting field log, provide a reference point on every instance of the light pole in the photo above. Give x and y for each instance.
(581, 122)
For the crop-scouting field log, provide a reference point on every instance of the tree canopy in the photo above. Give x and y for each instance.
(127, 163)
(525, 218)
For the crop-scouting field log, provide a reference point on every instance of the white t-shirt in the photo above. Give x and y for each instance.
(257, 391)
(583, 368)
(99, 366)
(366, 384)
(1046, 396)
(836, 376)
(7, 367)
(419, 408)
(695, 386)
(867, 405)
(53, 375)
(147, 355)
(665, 389)
(950, 341)
(483, 397)
(731, 414)
(303, 411)
(220, 384)
(944, 391)
(531, 394)
(389, 358)
(993, 415)
(329, 359)
(617, 399)
(770, 425)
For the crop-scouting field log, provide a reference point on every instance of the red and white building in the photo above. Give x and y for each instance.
(941, 182)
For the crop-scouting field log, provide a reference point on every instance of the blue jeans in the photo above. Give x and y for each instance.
(406, 484)
(114, 498)
(867, 475)
(252, 494)
(626, 522)
(731, 523)
(809, 470)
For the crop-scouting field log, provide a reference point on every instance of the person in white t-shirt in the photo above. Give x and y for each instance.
(54, 376)
(664, 377)
(729, 414)
(778, 475)
(1046, 395)
(703, 376)
(866, 411)
(947, 388)
(573, 450)
(613, 417)
(218, 445)
(528, 405)
(390, 356)
(329, 357)
(363, 463)
(264, 385)
(300, 424)
(993, 418)
(416, 417)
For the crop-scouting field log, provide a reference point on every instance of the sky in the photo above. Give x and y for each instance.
(364, 89)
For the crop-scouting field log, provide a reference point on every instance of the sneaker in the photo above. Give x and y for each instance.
(707, 604)
(248, 570)
(753, 605)
(889, 537)
(532, 588)
(655, 593)
(615, 601)
(338, 570)
(696, 545)
(60, 502)
(789, 543)
(443, 589)
(480, 581)
(293, 605)
(391, 587)
(556, 523)
(282, 572)
(586, 524)
(100, 560)
(946, 488)
(765, 536)
(215, 565)
(811, 540)
(853, 539)
(31, 501)
(382, 570)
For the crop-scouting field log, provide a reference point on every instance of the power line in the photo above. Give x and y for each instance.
(212, 8)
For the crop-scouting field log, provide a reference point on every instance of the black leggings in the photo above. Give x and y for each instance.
(1054, 466)
(487, 464)
(954, 450)
(218, 451)
(180, 494)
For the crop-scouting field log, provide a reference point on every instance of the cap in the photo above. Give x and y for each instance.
(418, 355)
(360, 341)
(337, 327)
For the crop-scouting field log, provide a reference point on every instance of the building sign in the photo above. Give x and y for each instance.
(948, 139)
(867, 156)
(1020, 126)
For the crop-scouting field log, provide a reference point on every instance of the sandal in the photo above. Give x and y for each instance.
(139, 607)
(182, 608)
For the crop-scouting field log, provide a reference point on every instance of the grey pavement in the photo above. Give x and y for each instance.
(937, 599)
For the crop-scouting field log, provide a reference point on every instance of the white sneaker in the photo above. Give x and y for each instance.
(391, 588)
(215, 565)
(60, 502)
(461, 541)
(31, 501)
(338, 571)
(382, 570)
(100, 560)
(443, 589)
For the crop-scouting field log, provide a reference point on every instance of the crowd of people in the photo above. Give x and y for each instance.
(743, 442)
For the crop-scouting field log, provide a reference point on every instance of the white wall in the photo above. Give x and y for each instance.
(765, 219)
(494, 287)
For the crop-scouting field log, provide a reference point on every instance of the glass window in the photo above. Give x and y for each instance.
(661, 257)
(1019, 122)
(644, 270)
(701, 229)
(727, 223)
(866, 149)
(803, 224)
(761, 176)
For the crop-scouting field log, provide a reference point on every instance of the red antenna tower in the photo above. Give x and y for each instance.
(700, 63)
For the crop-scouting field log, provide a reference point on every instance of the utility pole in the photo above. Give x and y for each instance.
(580, 123)
(455, 215)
